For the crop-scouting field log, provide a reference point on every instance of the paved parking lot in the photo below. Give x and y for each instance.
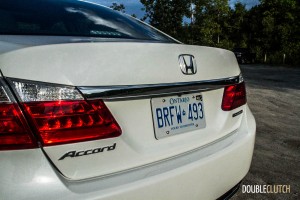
(274, 98)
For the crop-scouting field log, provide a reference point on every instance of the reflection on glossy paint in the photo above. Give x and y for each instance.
(98, 20)
(43, 179)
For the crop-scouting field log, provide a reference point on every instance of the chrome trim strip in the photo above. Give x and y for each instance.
(128, 92)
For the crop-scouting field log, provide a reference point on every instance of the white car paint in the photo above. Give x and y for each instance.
(199, 164)
(115, 63)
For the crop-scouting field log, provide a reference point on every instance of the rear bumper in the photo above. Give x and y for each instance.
(230, 193)
(205, 173)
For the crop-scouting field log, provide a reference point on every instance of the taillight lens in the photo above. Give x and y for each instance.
(234, 96)
(14, 132)
(61, 122)
(59, 114)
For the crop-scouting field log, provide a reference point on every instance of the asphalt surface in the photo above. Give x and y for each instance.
(273, 95)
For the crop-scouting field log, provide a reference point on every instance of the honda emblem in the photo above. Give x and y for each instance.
(187, 64)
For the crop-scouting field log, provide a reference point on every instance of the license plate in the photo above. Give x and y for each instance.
(177, 114)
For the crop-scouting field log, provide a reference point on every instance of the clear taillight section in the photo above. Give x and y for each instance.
(28, 91)
(234, 96)
(57, 115)
(14, 131)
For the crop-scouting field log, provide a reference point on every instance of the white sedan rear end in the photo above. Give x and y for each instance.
(97, 105)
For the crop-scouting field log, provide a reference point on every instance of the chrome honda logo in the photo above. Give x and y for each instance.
(187, 64)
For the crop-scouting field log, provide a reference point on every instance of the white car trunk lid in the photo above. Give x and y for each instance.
(114, 64)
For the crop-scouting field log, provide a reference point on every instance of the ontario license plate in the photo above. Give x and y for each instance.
(177, 114)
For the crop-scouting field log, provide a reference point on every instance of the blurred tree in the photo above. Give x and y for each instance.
(119, 7)
(238, 25)
(166, 15)
(279, 30)
(271, 29)
(211, 18)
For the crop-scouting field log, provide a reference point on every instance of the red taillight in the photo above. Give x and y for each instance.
(14, 133)
(61, 122)
(234, 96)
(56, 114)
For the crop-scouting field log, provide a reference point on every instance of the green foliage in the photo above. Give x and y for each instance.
(210, 21)
(166, 15)
(237, 26)
(278, 21)
(270, 29)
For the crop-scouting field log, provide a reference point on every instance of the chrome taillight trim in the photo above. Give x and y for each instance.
(129, 92)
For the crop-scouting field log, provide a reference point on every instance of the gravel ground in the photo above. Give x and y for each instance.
(274, 97)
